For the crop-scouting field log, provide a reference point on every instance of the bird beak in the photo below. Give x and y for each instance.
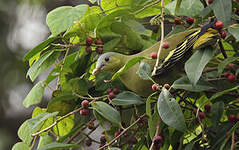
(96, 70)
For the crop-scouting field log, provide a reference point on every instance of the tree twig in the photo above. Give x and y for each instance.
(58, 120)
(125, 130)
(89, 98)
(233, 140)
(162, 38)
(156, 133)
(147, 6)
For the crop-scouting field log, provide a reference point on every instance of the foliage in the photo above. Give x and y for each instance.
(199, 110)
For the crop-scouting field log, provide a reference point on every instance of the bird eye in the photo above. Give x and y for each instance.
(107, 59)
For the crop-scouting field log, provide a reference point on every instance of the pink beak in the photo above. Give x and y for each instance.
(96, 70)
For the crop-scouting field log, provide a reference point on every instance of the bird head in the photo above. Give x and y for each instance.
(108, 62)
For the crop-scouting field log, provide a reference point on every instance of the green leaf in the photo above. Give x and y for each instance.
(217, 112)
(189, 146)
(36, 122)
(42, 64)
(128, 65)
(224, 63)
(55, 145)
(222, 10)
(188, 8)
(61, 18)
(109, 46)
(107, 111)
(196, 63)
(92, 1)
(234, 30)
(44, 140)
(148, 105)
(21, 146)
(63, 104)
(64, 126)
(24, 133)
(76, 85)
(218, 94)
(35, 95)
(184, 83)
(170, 111)
(144, 71)
(138, 27)
(152, 122)
(127, 98)
(39, 48)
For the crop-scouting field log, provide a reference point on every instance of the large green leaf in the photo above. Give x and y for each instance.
(21, 146)
(64, 126)
(42, 64)
(127, 98)
(222, 10)
(107, 111)
(61, 18)
(224, 63)
(35, 95)
(144, 71)
(39, 48)
(76, 85)
(184, 83)
(170, 111)
(187, 8)
(55, 145)
(24, 133)
(36, 122)
(234, 30)
(128, 65)
(196, 63)
(44, 140)
(110, 45)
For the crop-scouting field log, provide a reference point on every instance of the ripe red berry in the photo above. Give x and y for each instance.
(116, 91)
(88, 142)
(207, 107)
(98, 42)
(167, 86)
(219, 25)
(88, 41)
(190, 20)
(102, 140)
(84, 103)
(158, 139)
(165, 45)
(111, 95)
(117, 133)
(154, 55)
(88, 49)
(155, 87)
(232, 118)
(143, 123)
(210, 1)
(91, 125)
(223, 34)
(226, 74)
(231, 78)
(84, 112)
(109, 90)
(177, 21)
(201, 115)
(99, 50)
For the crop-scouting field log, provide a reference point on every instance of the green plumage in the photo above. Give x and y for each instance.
(171, 59)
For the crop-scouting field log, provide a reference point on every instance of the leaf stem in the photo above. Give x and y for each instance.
(162, 38)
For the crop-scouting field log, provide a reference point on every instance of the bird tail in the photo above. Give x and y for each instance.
(195, 40)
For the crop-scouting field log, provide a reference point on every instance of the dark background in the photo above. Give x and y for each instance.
(23, 26)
